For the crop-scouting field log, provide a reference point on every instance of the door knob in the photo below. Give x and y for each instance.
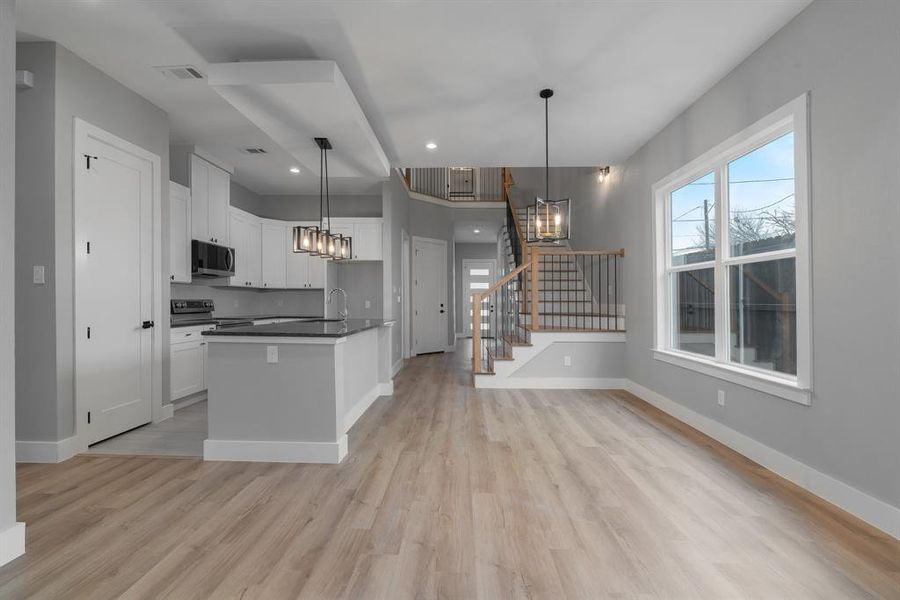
(147, 324)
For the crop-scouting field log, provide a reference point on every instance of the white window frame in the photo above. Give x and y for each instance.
(794, 116)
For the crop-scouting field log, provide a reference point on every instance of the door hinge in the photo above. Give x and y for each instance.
(89, 333)
(89, 417)
(88, 158)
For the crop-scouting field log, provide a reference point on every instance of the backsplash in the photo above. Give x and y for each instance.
(237, 302)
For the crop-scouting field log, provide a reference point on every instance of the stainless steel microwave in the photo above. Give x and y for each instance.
(211, 260)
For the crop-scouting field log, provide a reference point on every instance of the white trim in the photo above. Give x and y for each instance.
(873, 511)
(760, 381)
(82, 131)
(396, 368)
(363, 404)
(190, 400)
(12, 543)
(793, 116)
(280, 452)
(46, 452)
(549, 383)
(452, 204)
(167, 412)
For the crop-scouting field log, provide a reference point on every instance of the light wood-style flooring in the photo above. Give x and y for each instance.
(182, 435)
(450, 492)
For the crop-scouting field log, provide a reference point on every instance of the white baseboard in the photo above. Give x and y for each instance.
(549, 383)
(282, 452)
(386, 389)
(189, 400)
(873, 511)
(12, 543)
(166, 413)
(396, 368)
(46, 452)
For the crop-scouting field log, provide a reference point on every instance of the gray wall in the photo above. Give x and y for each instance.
(465, 252)
(245, 199)
(846, 54)
(7, 265)
(37, 409)
(239, 302)
(362, 281)
(589, 360)
(79, 90)
(306, 208)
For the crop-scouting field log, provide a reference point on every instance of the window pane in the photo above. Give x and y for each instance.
(479, 285)
(764, 315)
(695, 311)
(761, 199)
(693, 226)
(479, 272)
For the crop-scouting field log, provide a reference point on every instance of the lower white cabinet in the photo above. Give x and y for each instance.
(187, 357)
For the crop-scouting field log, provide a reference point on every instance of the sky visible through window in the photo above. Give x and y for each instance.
(762, 208)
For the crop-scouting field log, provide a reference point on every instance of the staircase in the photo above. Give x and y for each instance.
(545, 289)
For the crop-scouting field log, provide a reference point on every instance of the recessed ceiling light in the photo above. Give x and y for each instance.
(431, 146)
(476, 231)
(295, 170)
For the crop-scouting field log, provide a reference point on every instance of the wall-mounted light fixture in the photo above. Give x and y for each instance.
(602, 174)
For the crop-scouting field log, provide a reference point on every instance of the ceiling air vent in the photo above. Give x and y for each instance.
(255, 151)
(180, 72)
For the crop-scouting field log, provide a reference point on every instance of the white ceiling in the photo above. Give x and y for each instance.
(463, 74)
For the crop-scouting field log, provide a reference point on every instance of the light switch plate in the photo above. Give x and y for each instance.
(368, 304)
(567, 361)
(271, 354)
(38, 277)
(721, 398)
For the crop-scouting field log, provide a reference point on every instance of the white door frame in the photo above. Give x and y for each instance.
(83, 132)
(464, 292)
(405, 293)
(417, 238)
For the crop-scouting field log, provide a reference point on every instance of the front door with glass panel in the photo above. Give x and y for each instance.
(478, 276)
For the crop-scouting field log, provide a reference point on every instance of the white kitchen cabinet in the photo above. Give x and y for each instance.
(367, 240)
(245, 233)
(302, 271)
(366, 234)
(179, 233)
(274, 241)
(187, 356)
(210, 199)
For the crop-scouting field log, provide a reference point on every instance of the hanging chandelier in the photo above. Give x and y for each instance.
(318, 240)
(547, 220)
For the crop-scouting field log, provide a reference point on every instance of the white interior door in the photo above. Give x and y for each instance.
(477, 276)
(113, 287)
(430, 307)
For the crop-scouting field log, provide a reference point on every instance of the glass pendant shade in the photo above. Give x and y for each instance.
(305, 239)
(547, 220)
(346, 251)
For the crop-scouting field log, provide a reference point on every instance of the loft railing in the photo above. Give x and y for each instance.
(552, 290)
(458, 184)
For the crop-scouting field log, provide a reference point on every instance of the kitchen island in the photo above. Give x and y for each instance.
(289, 392)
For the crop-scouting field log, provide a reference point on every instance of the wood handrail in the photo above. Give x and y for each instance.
(477, 300)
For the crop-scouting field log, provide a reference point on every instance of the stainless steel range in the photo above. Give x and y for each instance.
(199, 312)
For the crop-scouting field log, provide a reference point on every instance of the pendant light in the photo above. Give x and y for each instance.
(319, 240)
(547, 220)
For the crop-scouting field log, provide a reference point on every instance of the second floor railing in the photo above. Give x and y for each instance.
(458, 184)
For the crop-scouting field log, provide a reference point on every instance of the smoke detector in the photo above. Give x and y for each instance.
(180, 72)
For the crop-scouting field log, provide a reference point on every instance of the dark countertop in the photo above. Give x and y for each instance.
(248, 318)
(316, 328)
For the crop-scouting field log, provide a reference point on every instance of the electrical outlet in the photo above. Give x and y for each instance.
(271, 354)
(721, 398)
(567, 361)
(38, 275)
(368, 304)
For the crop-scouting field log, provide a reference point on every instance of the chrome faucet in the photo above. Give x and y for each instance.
(343, 315)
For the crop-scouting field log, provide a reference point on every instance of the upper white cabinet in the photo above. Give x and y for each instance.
(367, 240)
(179, 233)
(274, 242)
(366, 234)
(210, 199)
(245, 234)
